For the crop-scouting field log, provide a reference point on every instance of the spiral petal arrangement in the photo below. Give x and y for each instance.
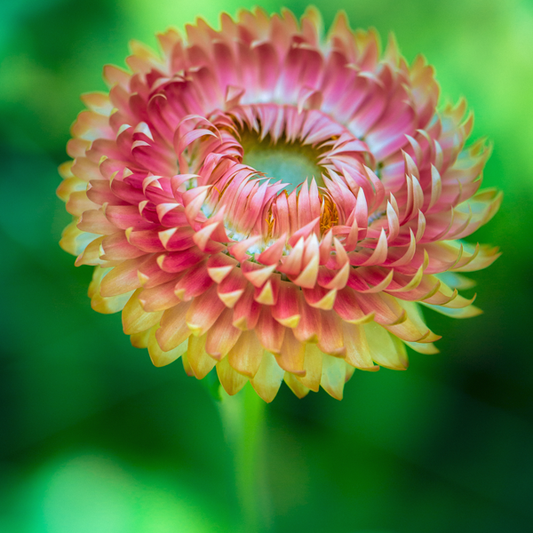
(302, 276)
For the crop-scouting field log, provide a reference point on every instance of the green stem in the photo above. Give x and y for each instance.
(243, 421)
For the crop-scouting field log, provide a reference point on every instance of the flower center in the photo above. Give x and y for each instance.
(292, 163)
(280, 169)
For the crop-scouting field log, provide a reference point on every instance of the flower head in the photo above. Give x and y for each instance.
(275, 204)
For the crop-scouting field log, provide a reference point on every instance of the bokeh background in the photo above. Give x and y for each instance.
(95, 439)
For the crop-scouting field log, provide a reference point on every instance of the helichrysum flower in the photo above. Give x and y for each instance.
(275, 204)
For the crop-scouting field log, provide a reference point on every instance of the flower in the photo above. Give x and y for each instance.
(274, 203)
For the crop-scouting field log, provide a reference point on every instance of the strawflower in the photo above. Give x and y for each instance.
(274, 203)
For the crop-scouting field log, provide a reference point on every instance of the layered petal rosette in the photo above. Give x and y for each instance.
(275, 204)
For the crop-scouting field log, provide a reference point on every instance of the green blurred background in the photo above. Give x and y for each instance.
(94, 439)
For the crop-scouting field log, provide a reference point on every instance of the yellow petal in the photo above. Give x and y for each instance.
(229, 378)
(295, 385)
(333, 376)
(135, 319)
(387, 350)
(292, 354)
(140, 340)
(267, 379)
(358, 353)
(313, 367)
(186, 365)
(246, 355)
(110, 305)
(199, 360)
(158, 356)
(174, 329)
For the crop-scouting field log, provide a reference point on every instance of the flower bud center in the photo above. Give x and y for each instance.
(292, 163)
